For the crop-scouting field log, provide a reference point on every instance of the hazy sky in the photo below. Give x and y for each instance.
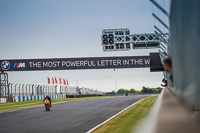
(32, 29)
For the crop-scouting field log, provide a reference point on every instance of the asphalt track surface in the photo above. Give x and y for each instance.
(68, 117)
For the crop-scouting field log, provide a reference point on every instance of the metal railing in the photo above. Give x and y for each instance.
(41, 89)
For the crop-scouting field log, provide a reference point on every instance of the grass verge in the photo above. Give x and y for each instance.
(127, 121)
(5, 107)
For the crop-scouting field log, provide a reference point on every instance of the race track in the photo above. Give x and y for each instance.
(69, 117)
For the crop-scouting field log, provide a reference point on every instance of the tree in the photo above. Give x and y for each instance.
(150, 91)
(120, 91)
(132, 91)
(144, 89)
(137, 91)
(126, 91)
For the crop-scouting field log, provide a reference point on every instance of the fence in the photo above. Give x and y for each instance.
(25, 92)
(32, 89)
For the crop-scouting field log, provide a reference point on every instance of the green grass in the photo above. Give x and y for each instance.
(5, 107)
(127, 121)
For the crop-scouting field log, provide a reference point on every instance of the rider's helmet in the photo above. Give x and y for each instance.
(47, 95)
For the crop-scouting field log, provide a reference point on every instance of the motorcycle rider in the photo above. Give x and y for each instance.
(47, 97)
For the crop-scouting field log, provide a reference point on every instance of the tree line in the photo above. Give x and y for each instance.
(145, 90)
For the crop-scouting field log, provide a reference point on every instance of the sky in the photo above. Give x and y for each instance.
(34, 29)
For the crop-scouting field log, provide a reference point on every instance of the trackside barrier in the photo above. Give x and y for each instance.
(32, 98)
(17, 92)
(3, 100)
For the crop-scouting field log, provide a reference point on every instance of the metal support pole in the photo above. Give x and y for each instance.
(5, 92)
(32, 90)
(8, 92)
(29, 89)
(159, 7)
(156, 17)
(161, 33)
(36, 90)
(11, 89)
(23, 89)
(40, 89)
(163, 40)
(15, 89)
(65, 90)
(46, 90)
(26, 89)
(49, 89)
(43, 89)
(19, 89)
(56, 89)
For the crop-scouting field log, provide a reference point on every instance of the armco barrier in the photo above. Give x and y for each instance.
(33, 98)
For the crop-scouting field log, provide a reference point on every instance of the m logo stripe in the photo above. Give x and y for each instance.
(15, 65)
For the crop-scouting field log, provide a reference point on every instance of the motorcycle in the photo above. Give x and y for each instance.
(47, 105)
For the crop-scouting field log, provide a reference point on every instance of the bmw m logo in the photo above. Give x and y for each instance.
(5, 65)
(19, 65)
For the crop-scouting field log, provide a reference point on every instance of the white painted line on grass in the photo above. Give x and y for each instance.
(94, 128)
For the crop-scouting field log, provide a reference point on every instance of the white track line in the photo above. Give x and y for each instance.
(94, 128)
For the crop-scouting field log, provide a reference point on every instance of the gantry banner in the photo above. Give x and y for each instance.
(75, 63)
